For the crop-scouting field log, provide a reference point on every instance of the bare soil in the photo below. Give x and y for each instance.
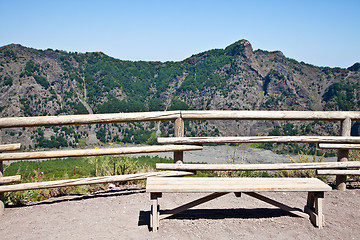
(123, 213)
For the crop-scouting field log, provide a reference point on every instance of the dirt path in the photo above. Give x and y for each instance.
(124, 214)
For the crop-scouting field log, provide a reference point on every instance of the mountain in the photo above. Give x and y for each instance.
(47, 82)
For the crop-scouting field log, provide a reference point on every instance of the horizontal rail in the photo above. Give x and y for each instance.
(338, 172)
(270, 115)
(10, 179)
(256, 167)
(338, 146)
(10, 147)
(258, 139)
(95, 152)
(89, 181)
(172, 115)
(87, 119)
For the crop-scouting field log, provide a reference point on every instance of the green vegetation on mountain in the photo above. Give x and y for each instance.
(47, 82)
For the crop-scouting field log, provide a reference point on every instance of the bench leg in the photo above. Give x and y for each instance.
(314, 208)
(155, 211)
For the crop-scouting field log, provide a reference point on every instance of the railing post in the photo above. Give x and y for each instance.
(343, 155)
(179, 132)
(2, 196)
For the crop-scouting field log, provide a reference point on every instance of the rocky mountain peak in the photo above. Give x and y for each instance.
(242, 48)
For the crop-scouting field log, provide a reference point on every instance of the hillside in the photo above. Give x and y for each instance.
(47, 82)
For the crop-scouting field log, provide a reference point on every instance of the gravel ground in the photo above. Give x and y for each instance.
(123, 213)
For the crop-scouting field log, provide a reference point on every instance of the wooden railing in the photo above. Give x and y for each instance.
(346, 119)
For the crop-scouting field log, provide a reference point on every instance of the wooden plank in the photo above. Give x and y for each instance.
(338, 146)
(204, 185)
(270, 115)
(95, 152)
(284, 207)
(338, 172)
(87, 119)
(257, 167)
(89, 181)
(259, 139)
(192, 204)
(10, 147)
(10, 179)
(172, 115)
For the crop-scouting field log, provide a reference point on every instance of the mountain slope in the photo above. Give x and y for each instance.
(35, 82)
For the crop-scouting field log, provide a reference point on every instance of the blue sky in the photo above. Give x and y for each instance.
(323, 33)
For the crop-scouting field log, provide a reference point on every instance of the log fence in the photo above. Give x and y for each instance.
(343, 142)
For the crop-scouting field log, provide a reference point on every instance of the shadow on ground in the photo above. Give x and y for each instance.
(71, 198)
(195, 214)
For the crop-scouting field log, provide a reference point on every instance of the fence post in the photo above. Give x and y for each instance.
(179, 132)
(2, 196)
(343, 155)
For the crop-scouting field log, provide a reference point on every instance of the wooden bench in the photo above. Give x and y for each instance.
(250, 186)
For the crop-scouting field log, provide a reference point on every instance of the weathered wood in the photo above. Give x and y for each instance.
(222, 186)
(210, 185)
(338, 172)
(282, 206)
(256, 167)
(172, 115)
(10, 147)
(319, 211)
(87, 119)
(259, 139)
(95, 152)
(338, 146)
(179, 132)
(343, 154)
(89, 181)
(314, 208)
(270, 115)
(10, 179)
(155, 212)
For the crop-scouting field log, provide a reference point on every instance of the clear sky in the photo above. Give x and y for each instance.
(323, 33)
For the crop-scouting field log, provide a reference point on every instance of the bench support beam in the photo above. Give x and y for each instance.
(294, 211)
(192, 204)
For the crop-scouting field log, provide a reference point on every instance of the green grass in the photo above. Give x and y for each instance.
(70, 168)
(74, 167)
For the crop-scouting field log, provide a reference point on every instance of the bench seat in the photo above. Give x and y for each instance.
(216, 184)
(249, 186)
